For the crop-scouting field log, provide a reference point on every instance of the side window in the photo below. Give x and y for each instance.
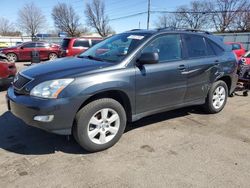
(81, 43)
(29, 45)
(94, 42)
(41, 45)
(195, 46)
(213, 49)
(168, 47)
(236, 47)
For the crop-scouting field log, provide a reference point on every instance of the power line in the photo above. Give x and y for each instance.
(176, 12)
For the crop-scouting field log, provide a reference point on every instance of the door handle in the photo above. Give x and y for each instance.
(182, 68)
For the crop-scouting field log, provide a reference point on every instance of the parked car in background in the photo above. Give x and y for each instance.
(22, 52)
(245, 59)
(237, 48)
(4, 45)
(74, 46)
(140, 73)
(7, 72)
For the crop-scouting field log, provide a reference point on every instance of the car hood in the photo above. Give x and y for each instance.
(64, 67)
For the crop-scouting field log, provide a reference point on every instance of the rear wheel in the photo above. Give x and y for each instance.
(100, 124)
(11, 57)
(217, 97)
(53, 56)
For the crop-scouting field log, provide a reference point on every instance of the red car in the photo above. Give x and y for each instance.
(7, 72)
(74, 46)
(245, 59)
(238, 48)
(23, 52)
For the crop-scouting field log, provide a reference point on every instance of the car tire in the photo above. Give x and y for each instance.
(216, 98)
(53, 56)
(100, 124)
(12, 57)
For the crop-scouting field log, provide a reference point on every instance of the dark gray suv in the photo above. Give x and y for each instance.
(122, 79)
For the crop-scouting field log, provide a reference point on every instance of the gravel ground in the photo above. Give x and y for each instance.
(181, 148)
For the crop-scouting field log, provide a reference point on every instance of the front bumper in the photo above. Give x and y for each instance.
(27, 107)
(6, 81)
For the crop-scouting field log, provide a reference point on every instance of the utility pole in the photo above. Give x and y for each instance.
(149, 2)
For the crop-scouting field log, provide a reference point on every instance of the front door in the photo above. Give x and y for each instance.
(25, 51)
(161, 85)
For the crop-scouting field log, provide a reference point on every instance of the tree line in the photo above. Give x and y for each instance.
(31, 20)
(216, 15)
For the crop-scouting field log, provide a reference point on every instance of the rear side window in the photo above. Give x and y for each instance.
(195, 46)
(168, 47)
(236, 47)
(81, 43)
(94, 42)
(65, 43)
(42, 45)
(213, 49)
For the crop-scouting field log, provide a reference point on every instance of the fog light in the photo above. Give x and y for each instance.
(47, 118)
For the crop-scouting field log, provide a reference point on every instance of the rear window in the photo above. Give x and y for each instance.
(65, 43)
(81, 43)
(195, 46)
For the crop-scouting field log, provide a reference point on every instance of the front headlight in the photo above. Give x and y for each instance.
(50, 89)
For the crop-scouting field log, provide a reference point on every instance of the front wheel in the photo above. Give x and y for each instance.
(100, 124)
(217, 97)
(11, 57)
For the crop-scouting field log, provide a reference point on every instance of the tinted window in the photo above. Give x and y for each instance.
(195, 46)
(81, 43)
(30, 45)
(94, 42)
(42, 45)
(236, 46)
(168, 47)
(213, 49)
(65, 43)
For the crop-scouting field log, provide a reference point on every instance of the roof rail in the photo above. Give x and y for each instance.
(183, 29)
(134, 29)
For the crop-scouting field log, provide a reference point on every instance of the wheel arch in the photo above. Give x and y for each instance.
(118, 95)
(228, 81)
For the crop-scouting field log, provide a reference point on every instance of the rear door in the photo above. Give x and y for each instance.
(43, 49)
(202, 63)
(161, 85)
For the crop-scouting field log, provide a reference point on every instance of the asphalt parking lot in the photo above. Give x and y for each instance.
(181, 148)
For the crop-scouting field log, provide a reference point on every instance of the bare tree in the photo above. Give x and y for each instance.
(66, 19)
(168, 20)
(225, 12)
(31, 20)
(194, 15)
(96, 17)
(5, 26)
(242, 20)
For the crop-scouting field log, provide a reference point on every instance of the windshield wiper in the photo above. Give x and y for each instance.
(90, 57)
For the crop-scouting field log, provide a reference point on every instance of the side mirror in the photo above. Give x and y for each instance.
(148, 58)
(21, 47)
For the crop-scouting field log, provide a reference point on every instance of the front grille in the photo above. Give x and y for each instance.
(20, 81)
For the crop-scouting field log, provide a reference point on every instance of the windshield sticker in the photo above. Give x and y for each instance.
(136, 37)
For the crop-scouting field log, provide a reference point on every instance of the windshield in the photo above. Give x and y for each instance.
(115, 48)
